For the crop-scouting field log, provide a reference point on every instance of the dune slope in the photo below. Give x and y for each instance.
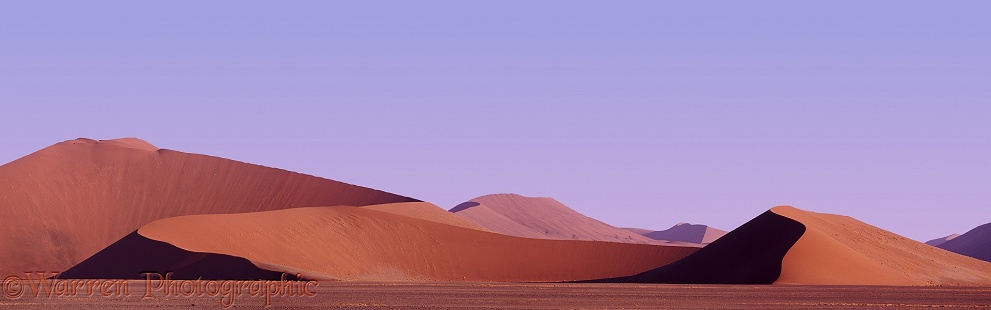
(348, 243)
(841, 250)
(543, 218)
(975, 243)
(146, 255)
(64, 203)
(750, 254)
(790, 246)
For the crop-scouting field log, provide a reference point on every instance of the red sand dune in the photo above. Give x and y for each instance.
(750, 254)
(938, 241)
(975, 243)
(685, 232)
(348, 243)
(543, 218)
(790, 246)
(64, 203)
(842, 250)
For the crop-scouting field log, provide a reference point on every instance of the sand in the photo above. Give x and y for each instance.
(473, 295)
(64, 203)
(545, 218)
(750, 254)
(349, 243)
(840, 250)
(787, 245)
(975, 243)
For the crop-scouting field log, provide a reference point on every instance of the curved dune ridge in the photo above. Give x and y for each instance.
(790, 246)
(750, 254)
(349, 243)
(842, 250)
(975, 243)
(64, 203)
(543, 218)
(685, 232)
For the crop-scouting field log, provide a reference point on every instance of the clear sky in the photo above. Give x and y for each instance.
(637, 113)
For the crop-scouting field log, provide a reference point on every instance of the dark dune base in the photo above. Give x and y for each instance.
(751, 254)
(134, 255)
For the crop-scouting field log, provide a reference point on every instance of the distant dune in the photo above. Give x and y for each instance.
(975, 243)
(790, 246)
(426, 211)
(685, 232)
(349, 243)
(543, 218)
(938, 241)
(64, 203)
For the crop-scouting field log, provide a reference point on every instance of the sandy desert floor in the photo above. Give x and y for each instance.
(351, 295)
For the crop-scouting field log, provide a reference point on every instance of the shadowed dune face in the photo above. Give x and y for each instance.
(543, 218)
(790, 246)
(64, 203)
(349, 243)
(685, 232)
(841, 250)
(975, 243)
(750, 254)
(146, 255)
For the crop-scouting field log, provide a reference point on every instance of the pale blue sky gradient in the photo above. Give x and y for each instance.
(637, 113)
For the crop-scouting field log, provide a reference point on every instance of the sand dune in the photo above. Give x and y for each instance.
(543, 218)
(685, 232)
(938, 241)
(349, 243)
(64, 203)
(818, 249)
(841, 250)
(975, 243)
(750, 254)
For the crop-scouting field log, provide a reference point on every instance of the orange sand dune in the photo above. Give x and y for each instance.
(790, 246)
(975, 243)
(841, 250)
(349, 243)
(543, 218)
(64, 203)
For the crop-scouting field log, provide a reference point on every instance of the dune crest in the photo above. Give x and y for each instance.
(65, 202)
(349, 243)
(786, 245)
(544, 218)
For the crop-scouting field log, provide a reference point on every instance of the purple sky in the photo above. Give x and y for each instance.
(636, 113)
